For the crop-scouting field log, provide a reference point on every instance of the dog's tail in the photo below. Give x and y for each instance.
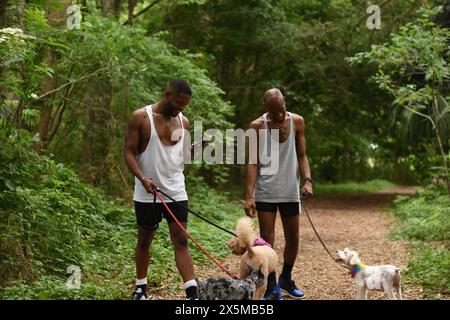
(397, 277)
(246, 233)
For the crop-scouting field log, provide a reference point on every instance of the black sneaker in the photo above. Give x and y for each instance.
(193, 296)
(140, 294)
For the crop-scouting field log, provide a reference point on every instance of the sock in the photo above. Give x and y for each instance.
(191, 289)
(287, 269)
(271, 281)
(141, 284)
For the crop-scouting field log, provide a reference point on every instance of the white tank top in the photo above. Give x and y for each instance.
(163, 164)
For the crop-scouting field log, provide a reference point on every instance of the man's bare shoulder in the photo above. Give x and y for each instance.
(299, 122)
(185, 120)
(297, 117)
(137, 117)
(139, 113)
(257, 123)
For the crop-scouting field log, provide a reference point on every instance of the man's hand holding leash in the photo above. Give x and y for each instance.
(149, 185)
(307, 189)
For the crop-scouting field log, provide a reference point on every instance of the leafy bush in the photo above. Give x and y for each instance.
(431, 269)
(424, 217)
(352, 187)
(50, 219)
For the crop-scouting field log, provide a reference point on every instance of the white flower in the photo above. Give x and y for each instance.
(34, 95)
(12, 31)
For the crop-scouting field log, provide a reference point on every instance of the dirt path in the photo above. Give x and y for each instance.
(359, 221)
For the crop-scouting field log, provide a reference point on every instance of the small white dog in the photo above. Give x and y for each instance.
(384, 277)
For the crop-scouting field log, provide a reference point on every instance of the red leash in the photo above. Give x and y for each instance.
(231, 274)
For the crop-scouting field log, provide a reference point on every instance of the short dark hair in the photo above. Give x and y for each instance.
(180, 86)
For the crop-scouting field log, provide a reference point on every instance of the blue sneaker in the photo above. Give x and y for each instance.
(274, 294)
(289, 287)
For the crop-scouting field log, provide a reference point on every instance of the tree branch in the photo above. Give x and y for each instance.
(68, 83)
(420, 114)
(58, 117)
(141, 12)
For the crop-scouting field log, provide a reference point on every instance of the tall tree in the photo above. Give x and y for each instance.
(11, 13)
(56, 16)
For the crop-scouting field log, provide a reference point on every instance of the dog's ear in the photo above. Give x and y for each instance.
(355, 258)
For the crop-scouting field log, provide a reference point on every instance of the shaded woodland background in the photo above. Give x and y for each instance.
(375, 103)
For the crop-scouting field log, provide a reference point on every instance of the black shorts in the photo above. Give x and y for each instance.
(285, 208)
(150, 219)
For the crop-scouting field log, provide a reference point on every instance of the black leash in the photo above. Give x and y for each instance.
(196, 214)
(302, 198)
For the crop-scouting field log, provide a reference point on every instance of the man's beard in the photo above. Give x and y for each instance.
(281, 121)
(170, 111)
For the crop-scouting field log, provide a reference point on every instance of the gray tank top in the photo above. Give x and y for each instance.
(282, 186)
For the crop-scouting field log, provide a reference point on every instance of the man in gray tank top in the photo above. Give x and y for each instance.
(268, 192)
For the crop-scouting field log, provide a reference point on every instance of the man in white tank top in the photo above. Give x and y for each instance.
(153, 150)
(268, 193)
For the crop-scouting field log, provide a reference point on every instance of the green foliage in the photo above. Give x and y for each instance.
(431, 269)
(413, 67)
(352, 187)
(425, 216)
(98, 75)
(215, 206)
(50, 220)
(77, 88)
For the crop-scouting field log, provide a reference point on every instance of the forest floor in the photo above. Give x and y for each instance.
(359, 221)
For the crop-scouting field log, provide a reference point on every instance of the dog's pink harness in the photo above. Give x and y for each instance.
(261, 242)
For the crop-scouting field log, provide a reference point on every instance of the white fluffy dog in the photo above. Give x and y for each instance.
(384, 277)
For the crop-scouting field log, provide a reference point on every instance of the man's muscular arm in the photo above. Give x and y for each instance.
(130, 150)
(303, 162)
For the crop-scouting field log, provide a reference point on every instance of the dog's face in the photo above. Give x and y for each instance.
(236, 249)
(349, 257)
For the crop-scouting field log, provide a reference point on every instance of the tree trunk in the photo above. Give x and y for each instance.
(131, 6)
(116, 8)
(11, 13)
(56, 16)
(107, 7)
(97, 135)
(345, 161)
